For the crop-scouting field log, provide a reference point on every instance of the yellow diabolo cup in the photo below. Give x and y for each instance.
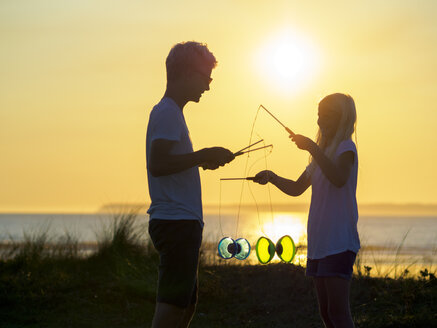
(285, 248)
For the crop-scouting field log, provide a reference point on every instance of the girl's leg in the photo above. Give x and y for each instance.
(322, 298)
(337, 290)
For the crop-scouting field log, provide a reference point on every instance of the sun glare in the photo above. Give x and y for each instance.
(287, 62)
(286, 224)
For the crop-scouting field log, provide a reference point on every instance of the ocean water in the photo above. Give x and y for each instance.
(389, 243)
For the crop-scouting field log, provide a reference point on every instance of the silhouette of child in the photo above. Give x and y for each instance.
(333, 240)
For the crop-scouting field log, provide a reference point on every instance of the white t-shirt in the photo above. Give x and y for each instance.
(176, 196)
(333, 216)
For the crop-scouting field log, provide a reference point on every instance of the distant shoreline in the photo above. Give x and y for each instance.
(364, 209)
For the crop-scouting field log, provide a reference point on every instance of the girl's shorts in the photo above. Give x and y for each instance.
(336, 265)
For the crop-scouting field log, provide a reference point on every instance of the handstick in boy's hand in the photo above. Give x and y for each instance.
(250, 150)
(240, 152)
(216, 157)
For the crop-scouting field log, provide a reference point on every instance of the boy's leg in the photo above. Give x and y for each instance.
(167, 316)
(322, 298)
(178, 243)
(338, 301)
(188, 315)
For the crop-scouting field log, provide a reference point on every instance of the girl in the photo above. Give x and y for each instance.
(333, 240)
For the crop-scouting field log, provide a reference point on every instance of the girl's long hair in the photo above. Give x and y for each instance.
(345, 105)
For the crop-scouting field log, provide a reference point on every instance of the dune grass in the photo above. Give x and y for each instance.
(46, 283)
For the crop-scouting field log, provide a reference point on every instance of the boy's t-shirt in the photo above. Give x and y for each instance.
(333, 216)
(176, 196)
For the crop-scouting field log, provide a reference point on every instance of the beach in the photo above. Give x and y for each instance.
(115, 286)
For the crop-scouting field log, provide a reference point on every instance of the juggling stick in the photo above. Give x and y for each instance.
(244, 151)
(248, 151)
(248, 178)
(287, 129)
(255, 143)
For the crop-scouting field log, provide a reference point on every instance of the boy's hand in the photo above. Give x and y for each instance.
(217, 156)
(209, 166)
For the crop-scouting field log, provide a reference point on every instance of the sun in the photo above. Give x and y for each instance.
(286, 224)
(287, 62)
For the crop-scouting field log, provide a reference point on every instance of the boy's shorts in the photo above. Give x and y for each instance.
(336, 265)
(178, 243)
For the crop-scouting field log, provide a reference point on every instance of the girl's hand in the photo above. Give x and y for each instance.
(303, 142)
(264, 176)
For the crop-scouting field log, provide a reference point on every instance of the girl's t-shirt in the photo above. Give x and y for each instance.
(333, 216)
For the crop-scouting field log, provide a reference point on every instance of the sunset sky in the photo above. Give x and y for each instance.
(78, 80)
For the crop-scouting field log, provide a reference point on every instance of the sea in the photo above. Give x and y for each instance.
(391, 245)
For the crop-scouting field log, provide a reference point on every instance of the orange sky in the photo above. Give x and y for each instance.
(78, 81)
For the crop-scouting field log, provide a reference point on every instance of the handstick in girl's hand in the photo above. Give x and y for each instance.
(290, 132)
(286, 128)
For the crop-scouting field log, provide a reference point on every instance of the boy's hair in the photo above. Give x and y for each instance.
(188, 55)
(345, 106)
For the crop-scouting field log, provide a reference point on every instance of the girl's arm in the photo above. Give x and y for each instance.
(336, 172)
(289, 187)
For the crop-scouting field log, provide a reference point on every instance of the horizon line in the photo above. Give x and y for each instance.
(140, 207)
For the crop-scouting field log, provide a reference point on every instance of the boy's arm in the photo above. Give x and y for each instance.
(161, 162)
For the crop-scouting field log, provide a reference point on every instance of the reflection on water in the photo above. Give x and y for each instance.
(254, 225)
(385, 264)
(290, 224)
(390, 245)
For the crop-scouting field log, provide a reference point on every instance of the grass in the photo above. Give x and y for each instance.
(372, 261)
(45, 283)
